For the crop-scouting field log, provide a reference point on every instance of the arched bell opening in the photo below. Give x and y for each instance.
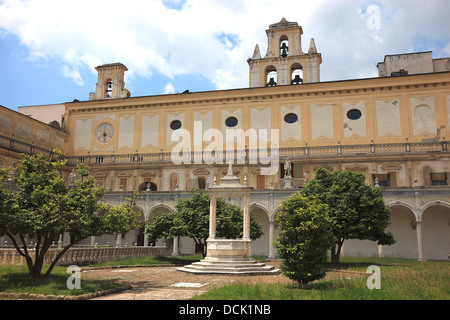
(109, 86)
(284, 47)
(271, 76)
(297, 74)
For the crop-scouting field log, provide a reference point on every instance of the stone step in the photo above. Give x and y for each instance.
(257, 271)
(205, 267)
(214, 264)
(227, 268)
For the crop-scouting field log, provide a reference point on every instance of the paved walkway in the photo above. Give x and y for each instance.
(166, 283)
(152, 294)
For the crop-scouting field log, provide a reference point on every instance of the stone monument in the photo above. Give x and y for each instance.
(288, 182)
(229, 256)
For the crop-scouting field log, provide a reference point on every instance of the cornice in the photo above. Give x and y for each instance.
(220, 97)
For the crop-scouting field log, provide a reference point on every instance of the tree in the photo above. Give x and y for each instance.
(304, 239)
(191, 219)
(357, 210)
(41, 206)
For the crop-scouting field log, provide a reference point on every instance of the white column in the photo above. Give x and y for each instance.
(60, 241)
(212, 218)
(119, 239)
(175, 247)
(420, 240)
(246, 209)
(380, 251)
(342, 249)
(66, 239)
(271, 240)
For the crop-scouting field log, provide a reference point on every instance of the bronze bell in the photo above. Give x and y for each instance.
(297, 80)
(271, 83)
(284, 52)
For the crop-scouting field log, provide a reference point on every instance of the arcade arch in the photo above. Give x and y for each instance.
(152, 212)
(260, 246)
(435, 219)
(403, 226)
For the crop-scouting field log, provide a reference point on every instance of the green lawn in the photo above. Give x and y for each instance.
(15, 279)
(400, 280)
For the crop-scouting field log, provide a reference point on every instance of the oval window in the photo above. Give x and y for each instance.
(290, 118)
(175, 125)
(231, 122)
(354, 114)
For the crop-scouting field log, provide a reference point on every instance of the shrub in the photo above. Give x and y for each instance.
(304, 239)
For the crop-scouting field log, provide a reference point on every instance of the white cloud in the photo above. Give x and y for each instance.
(214, 38)
(73, 74)
(169, 88)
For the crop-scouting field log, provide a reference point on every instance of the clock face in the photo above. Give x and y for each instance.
(105, 132)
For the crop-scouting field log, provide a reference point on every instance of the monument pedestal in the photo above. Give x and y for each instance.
(229, 250)
(229, 256)
(288, 183)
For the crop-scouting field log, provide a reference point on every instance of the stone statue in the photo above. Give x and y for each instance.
(72, 177)
(287, 168)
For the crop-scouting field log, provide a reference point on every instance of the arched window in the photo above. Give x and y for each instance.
(271, 76)
(148, 186)
(296, 74)
(284, 47)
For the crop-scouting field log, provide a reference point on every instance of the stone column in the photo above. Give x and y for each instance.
(60, 241)
(66, 239)
(212, 218)
(380, 251)
(175, 252)
(271, 240)
(246, 209)
(420, 240)
(118, 240)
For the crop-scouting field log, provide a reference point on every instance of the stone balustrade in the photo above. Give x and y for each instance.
(82, 255)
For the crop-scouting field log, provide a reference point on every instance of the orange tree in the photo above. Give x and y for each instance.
(356, 209)
(41, 206)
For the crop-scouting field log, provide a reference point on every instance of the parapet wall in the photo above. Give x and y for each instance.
(83, 255)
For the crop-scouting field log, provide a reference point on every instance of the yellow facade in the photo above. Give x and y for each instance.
(403, 120)
(394, 130)
(22, 134)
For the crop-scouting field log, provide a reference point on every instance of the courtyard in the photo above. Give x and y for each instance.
(401, 279)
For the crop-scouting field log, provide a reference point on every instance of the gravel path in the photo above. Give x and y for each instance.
(166, 283)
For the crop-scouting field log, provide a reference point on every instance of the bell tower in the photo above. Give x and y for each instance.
(110, 82)
(284, 63)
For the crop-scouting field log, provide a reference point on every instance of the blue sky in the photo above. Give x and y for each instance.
(49, 48)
